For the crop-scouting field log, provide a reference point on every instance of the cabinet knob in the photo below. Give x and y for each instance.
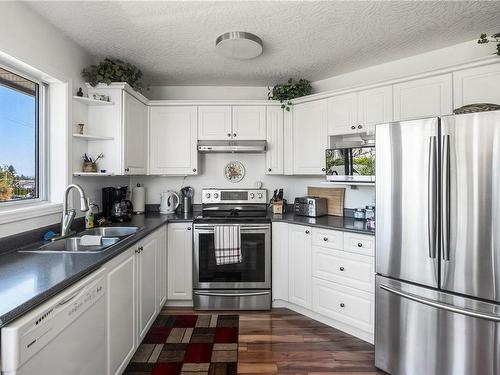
(360, 244)
(141, 249)
(325, 238)
(127, 169)
(342, 305)
(360, 126)
(228, 134)
(323, 169)
(353, 127)
(234, 134)
(137, 251)
(341, 268)
(189, 228)
(194, 169)
(307, 232)
(269, 169)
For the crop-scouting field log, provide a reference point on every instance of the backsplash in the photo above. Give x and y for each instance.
(211, 168)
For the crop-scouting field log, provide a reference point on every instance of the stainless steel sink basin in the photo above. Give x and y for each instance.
(111, 231)
(73, 245)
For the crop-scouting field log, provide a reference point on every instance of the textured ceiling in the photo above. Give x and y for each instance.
(173, 42)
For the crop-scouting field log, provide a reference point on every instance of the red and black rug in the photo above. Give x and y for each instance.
(188, 344)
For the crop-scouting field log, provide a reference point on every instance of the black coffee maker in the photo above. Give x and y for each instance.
(115, 207)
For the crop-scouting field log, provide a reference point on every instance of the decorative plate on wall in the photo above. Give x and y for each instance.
(234, 171)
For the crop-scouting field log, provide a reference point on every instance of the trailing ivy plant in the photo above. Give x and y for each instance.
(495, 38)
(113, 70)
(288, 91)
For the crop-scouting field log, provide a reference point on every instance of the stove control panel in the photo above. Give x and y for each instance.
(209, 196)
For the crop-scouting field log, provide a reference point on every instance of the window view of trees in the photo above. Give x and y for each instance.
(18, 137)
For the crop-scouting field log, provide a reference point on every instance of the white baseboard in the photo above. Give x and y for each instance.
(356, 332)
(179, 303)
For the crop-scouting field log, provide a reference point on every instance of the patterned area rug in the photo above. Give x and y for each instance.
(188, 345)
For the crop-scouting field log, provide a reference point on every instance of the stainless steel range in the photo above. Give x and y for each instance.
(244, 285)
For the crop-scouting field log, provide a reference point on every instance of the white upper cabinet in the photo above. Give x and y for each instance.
(249, 122)
(135, 120)
(374, 107)
(426, 97)
(274, 154)
(342, 114)
(310, 138)
(477, 85)
(214, 122)
(173, 140)
(359, 111)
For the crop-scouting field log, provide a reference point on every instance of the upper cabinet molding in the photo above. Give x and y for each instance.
(120, 85)
(213, 102)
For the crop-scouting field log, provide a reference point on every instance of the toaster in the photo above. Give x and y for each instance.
(311, 206)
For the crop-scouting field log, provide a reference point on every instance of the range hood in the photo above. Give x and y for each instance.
(232, 146)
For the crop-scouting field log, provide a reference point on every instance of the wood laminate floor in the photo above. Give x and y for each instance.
(284, 342)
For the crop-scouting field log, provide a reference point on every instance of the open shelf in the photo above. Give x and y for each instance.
(92, 174)
(89, 137)
(89, 101)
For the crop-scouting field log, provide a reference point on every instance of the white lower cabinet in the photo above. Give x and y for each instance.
(299, 266)
(324, 274)
(121, 311)
(134, 280)
(180, 261)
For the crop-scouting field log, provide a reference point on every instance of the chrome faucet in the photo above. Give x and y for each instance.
(69, 215)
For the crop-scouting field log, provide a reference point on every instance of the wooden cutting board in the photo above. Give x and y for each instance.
(334, 197)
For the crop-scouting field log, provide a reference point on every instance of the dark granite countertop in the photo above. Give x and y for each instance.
(347, 224)
(29, 279)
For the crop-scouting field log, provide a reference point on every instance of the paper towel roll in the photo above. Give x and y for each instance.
(138, 199)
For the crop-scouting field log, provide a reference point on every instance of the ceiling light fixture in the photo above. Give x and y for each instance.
(238, 45)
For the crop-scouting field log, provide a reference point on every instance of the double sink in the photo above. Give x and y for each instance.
(109, 237)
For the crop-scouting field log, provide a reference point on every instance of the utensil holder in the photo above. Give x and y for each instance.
(89, 167)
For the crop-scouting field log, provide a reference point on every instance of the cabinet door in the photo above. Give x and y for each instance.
(161, 276)
(275, 133)
(310, 137)
(477, 85)
(342, 114)
(426, 97)
(135, 122)
(374, 107)
(280, 261)
(249, 122)
(147, 259)
(214, 122)
(173, 140)
(121, 311)
(180, 261)
(299, 266)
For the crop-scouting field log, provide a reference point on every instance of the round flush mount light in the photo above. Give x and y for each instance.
(238, 45)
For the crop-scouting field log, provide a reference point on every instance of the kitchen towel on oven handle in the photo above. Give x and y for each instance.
(227, 244)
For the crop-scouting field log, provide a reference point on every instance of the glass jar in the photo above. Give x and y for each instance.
(370, 212)
(359, 214)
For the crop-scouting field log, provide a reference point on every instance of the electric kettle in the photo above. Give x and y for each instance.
(167, 205)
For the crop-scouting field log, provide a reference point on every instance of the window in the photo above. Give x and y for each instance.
(21, 138)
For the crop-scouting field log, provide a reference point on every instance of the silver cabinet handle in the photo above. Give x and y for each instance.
(432, 200)
(445, 221)
(443, 306)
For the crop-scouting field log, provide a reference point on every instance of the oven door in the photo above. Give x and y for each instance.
(254, 272)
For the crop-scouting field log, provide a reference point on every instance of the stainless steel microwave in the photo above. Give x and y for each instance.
(355, 164)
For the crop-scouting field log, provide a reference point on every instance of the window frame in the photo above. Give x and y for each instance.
(41, 138)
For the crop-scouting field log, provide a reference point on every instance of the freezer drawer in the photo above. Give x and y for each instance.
(424, 331)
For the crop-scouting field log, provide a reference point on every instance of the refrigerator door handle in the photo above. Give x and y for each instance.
(432, 197)
(445, 208)
(442, 306)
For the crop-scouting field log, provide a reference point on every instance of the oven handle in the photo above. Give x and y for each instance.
(212, 294)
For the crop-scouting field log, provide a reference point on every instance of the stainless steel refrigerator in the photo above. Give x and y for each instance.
(438, 246)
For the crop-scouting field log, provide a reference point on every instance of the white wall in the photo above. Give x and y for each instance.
(28, 41)
(211, 167)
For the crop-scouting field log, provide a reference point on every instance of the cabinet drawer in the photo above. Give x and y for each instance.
(353, 270)
(348, 305)
(332, 239)
(359, 244)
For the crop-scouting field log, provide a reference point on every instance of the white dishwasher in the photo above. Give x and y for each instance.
(64, 336)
